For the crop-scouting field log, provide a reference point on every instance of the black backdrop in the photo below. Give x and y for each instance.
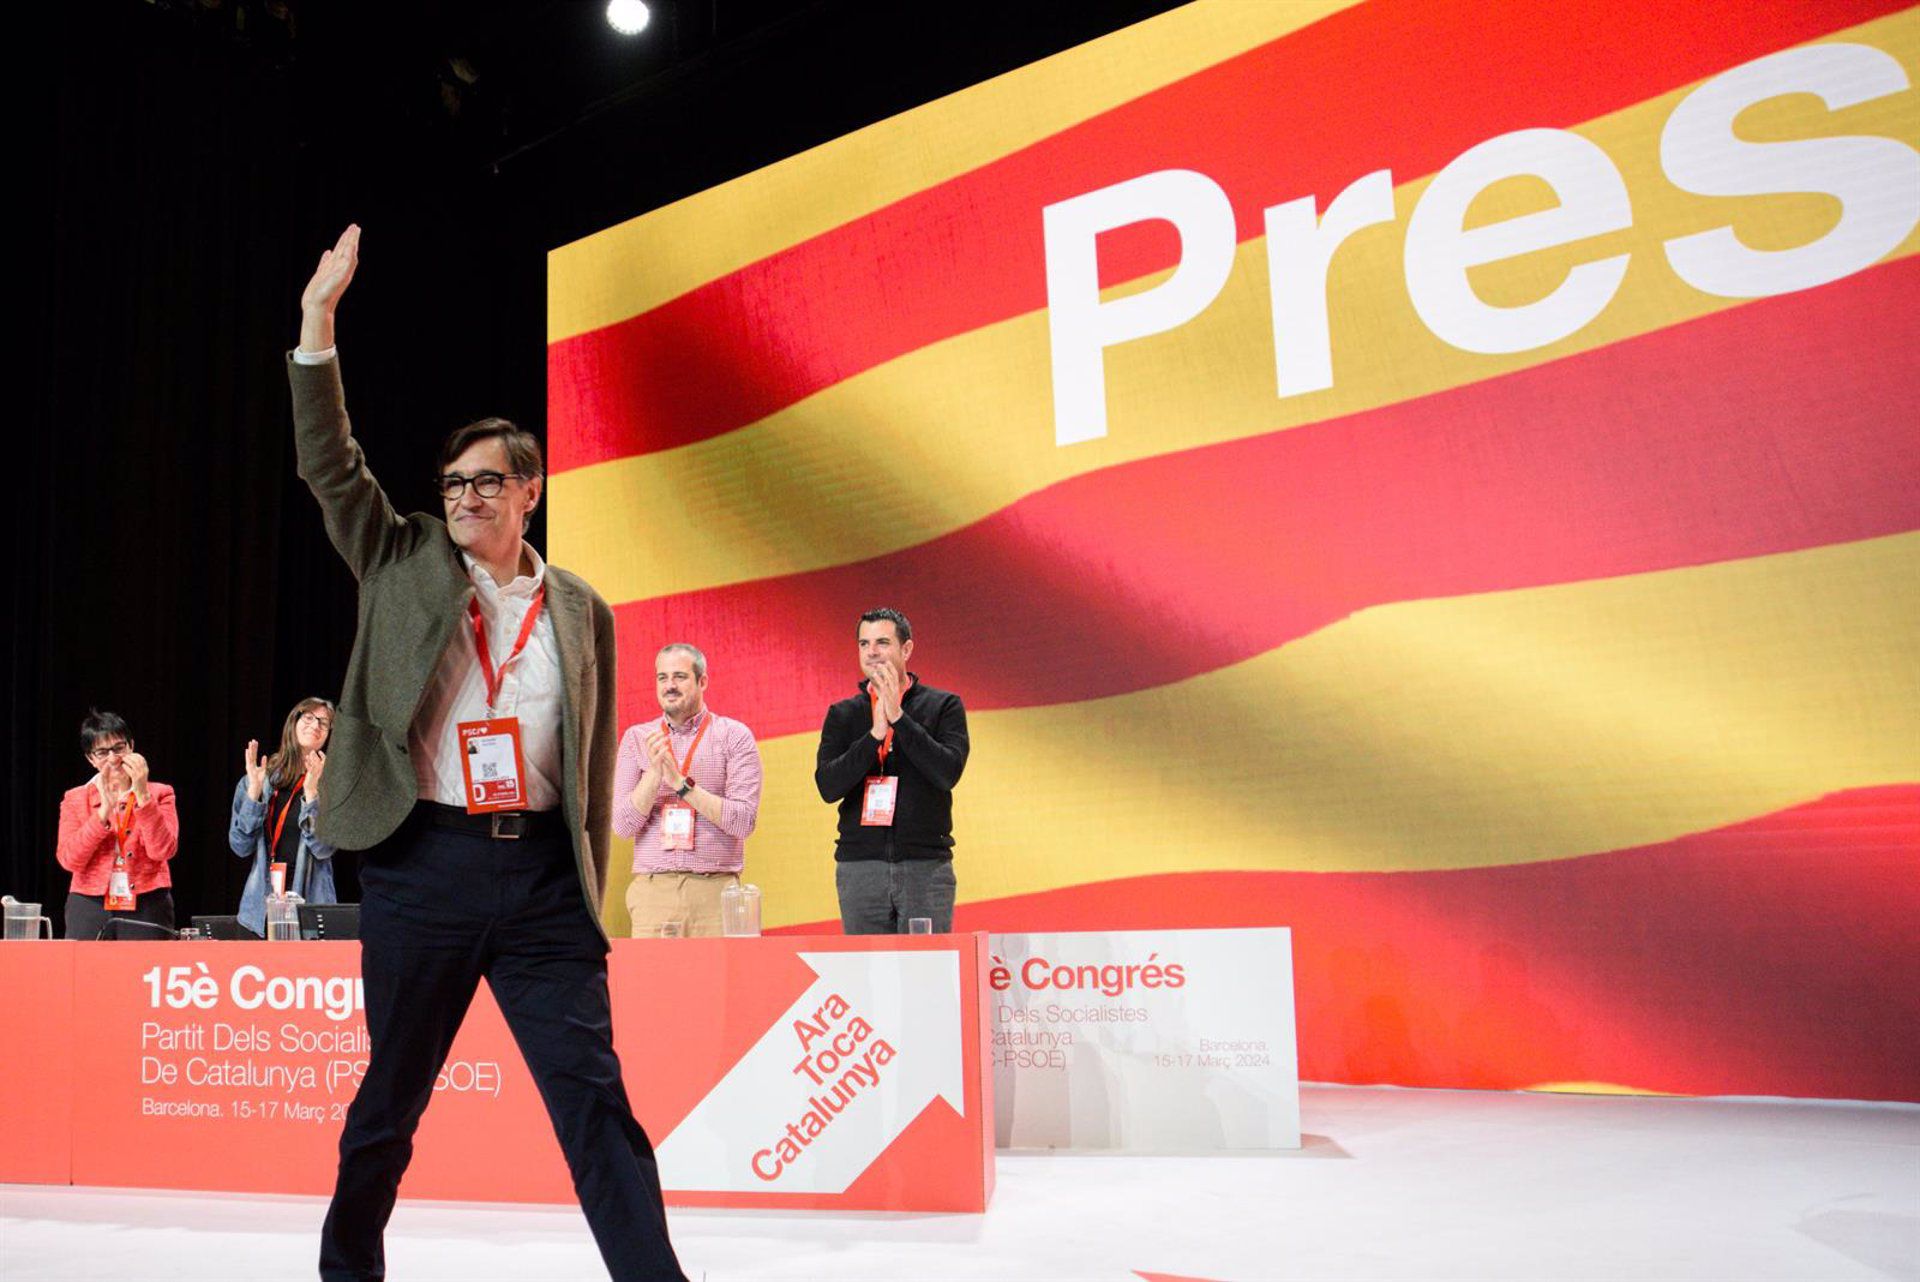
(176, 172)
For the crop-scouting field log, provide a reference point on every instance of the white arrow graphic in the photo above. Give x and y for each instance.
(767, 1128)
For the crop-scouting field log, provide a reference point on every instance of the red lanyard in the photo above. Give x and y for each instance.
(281, 823)
(121, 827)
(886, 744)
(495, 676)
(667, 728)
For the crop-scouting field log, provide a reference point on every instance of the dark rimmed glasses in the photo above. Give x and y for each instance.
(486, 484)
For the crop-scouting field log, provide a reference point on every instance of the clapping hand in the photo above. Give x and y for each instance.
(316, 762)
(256, 771)
(660, 759)
(885, 683)
(879, 704)
(136, 768)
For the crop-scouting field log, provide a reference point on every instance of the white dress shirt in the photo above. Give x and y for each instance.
(458, 692)
(530, 690)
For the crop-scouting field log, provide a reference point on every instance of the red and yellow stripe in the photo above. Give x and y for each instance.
(1762, 958)
(664, 521)
(1183, 563)
(966, 253)
(1449, 662)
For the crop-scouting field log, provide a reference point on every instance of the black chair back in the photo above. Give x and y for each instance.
(228, 927)
(134, 928)
(329, 921)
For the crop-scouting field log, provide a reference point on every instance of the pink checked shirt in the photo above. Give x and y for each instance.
(727, 765)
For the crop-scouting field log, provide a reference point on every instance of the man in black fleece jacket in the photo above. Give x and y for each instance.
(889, 757)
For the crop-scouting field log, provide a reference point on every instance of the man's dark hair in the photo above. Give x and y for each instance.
(102, 725)
(901, 628)
(523, 448)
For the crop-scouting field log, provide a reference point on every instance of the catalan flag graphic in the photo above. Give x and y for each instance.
(1494, 549)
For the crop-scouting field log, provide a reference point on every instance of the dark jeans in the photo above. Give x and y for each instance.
(87, 915)
(879, 898)
(439, 910)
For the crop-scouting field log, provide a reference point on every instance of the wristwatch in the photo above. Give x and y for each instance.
(686, 786)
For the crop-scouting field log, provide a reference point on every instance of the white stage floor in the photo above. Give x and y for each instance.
(1391, 1184)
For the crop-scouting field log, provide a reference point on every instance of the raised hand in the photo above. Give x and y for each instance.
(322, 294)
(316, 762)
(256, 771)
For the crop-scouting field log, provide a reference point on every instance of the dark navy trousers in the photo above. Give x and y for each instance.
(440, 909)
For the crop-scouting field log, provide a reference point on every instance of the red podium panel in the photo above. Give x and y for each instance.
(36, 1062)
(826, 1072)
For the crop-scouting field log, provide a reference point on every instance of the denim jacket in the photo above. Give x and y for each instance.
(311, 877)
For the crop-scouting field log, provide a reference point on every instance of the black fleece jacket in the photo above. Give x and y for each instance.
(929, 752)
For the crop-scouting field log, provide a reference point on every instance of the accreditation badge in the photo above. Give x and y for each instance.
(493, 764)
(676, 826)
(277, 873)
(119, 887)
(876, 806)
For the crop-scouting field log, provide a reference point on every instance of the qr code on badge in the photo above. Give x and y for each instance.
(489, 770)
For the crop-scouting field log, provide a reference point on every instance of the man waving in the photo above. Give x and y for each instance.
(472, 760)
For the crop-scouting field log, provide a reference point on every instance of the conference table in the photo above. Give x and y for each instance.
(783, 1071)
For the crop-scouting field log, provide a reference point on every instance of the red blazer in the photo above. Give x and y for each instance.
(86, 845)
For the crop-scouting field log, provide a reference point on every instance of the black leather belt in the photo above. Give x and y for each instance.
(501, 825)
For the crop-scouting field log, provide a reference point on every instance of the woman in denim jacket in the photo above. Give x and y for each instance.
(274, 805)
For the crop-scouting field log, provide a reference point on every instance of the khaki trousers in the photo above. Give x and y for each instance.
(690, 898)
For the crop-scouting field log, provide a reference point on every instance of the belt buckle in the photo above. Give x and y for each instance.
(511, 827)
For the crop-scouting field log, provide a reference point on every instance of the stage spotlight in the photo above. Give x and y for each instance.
(628, 17)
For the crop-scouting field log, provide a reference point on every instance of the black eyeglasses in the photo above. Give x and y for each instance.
(110, 750)
(486, 484)
(315, 718)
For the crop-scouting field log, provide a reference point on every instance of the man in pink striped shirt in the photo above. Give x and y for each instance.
(686, 791)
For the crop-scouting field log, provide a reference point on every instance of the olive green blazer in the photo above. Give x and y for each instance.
(413, 592)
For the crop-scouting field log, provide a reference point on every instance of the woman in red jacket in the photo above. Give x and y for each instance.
(117, 832)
